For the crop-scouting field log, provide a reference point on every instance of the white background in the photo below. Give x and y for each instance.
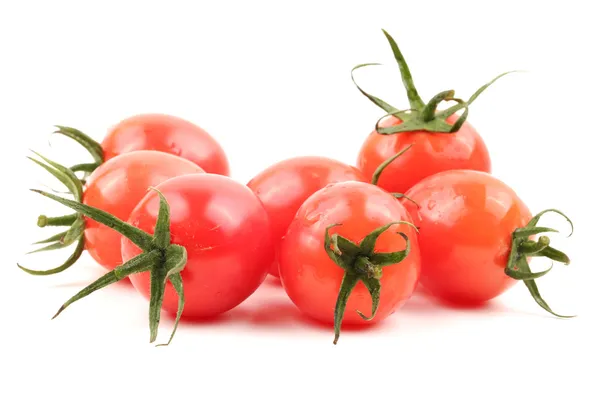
(270, 81)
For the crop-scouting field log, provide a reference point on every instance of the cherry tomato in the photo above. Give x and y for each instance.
(441, 139)
(227, 235)
(469, 224)
(312, 279)
(168, 134)
(284, 186)
(430, 153)
(116, 187)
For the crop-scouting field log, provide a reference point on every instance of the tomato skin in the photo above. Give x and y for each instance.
(167, 134)
(226, 233)
(312, 279)
(465, 221)
(284, 186)
(431, 153)
(116, 187)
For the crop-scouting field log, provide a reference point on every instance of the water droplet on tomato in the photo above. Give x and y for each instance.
(431, 204)
(176, 150)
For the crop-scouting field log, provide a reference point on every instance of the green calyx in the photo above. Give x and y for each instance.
(420, 116)
(75, 222)
(383, 166)
(163, 260)
(523, 247)
(360, 263)
(93, 147)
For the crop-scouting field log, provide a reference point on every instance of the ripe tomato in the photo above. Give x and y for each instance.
(441, 139)
(159, 132)
(168, 134)
(312, 279)
(430, 153)
(474, 232)
(284, 186)
(116, 187)
(226, 232)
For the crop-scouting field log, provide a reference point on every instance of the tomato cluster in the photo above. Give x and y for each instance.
(349, 243)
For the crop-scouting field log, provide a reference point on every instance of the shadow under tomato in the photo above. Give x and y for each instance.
(272, 281)
(274, 313)
(423, 303)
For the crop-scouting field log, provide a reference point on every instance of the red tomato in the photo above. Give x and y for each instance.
(116, 187)
(430, 153)
(312, 279)
(466, 221)
(284, 186)
(168, 134)
(226, 233)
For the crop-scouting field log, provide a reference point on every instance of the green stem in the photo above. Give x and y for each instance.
(63, 220)
(137, 236)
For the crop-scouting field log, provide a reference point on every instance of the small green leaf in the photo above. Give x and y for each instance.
(428, 112)
(140, 263)
(449, 111)
(177, 283)
(527, 232)
(537, 217)
(349, 281)
(383, 166)
(555, 255)
(367, 245)
(70, 261)
(158, 277)
(75, 231)
(523, 272)
(53, 238)
(162, 232)
(50, 247)
(374, 287)
(93, 147)
(376, 100)
(535, 293)
(386, 259)
(411, 91)
(334, 253)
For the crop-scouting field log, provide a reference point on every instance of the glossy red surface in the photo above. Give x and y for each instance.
(465, 221)
(284, 186)
(116, 187)
(431, 153)
(312, 279)
(168, 134)
(226, 233)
